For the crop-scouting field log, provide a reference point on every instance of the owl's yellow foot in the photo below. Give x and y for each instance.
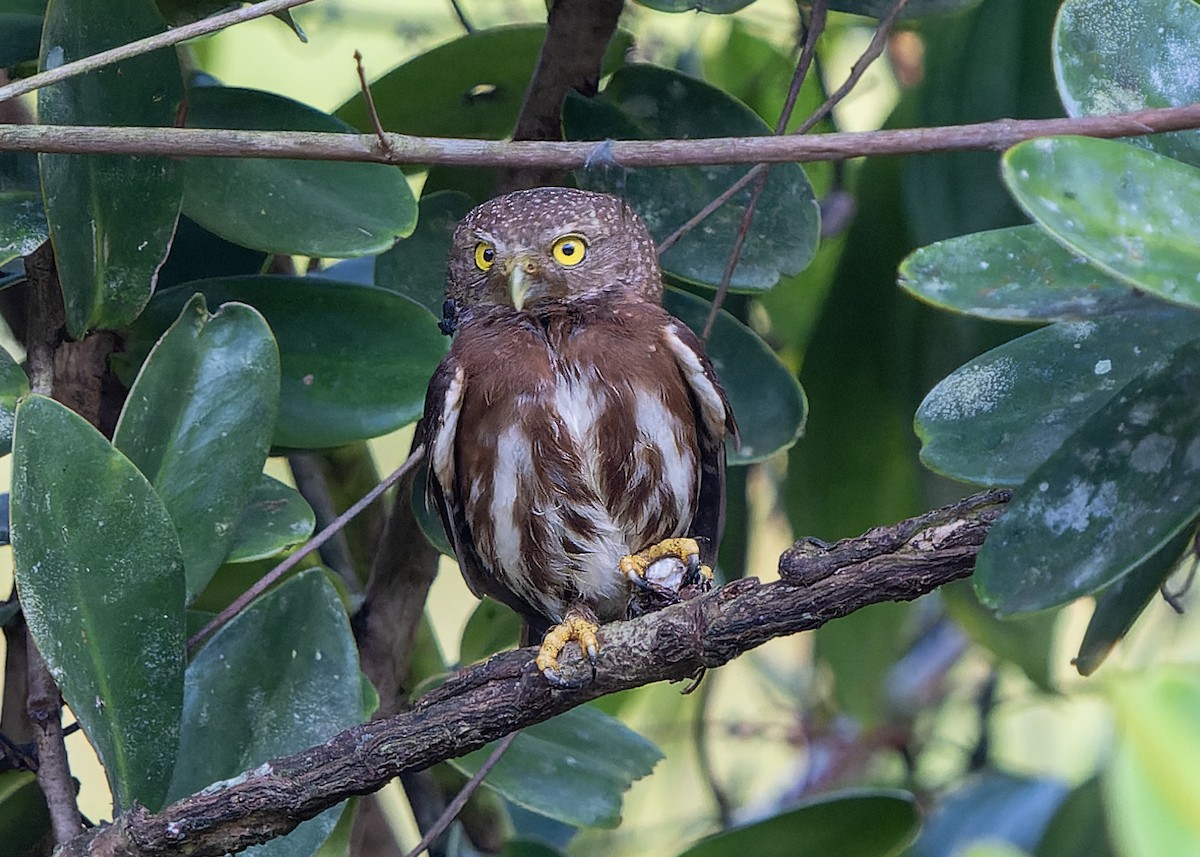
(642, 568)
(579, 625)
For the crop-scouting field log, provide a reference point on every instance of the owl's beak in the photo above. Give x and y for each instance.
(522, 272)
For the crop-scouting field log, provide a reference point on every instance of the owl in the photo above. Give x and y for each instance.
(575, 429)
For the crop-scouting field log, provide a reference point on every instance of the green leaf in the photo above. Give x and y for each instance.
(573, 767)
(1130, 211)
(22, 223)
(275, 518)
(426, 516)
(197, 254)
(24, 816)
(1117, 56)
(13, 385)
(992, 806)
(999, 417)
(645, 103)
(916, 8)
(280, 677)
(20, 31)
(765, 396)
(859, 823)
(1079, 828)
(111, 217)
(717, 7)
(470, 87)
(198, 423)
(1014, 274)
(313, 208)
(100, 575)
(355, 360)
(1151, 790)
(1117, 490)
(1024, 640)
(416, 266)
(1119, 605)
(491, 628)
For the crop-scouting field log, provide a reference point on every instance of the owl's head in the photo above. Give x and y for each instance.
(550, 245)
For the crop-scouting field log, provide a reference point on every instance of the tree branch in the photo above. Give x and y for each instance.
(408, 150)
(505, 693)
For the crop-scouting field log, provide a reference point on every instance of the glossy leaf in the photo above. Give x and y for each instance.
(1117, 490)
(14, 384)
(198, 423)
(355, 360)
(993, 806)
(573, 768)
(275, 518)
(492, 627)
(1079, 827)
(1130, 211)
(849, 824)
(314, 208)
(281, 676)
(416, 266)
(111, 217)
(1151, 792)
(1014, 274)
(101, 581)
(880, 8)
(22, 223)
(1119, 605)
(24, 816)
(717, 7)
(470, 87)
(765, 397)
(1116, 56)
(198, 254)
(645, 102)
(999, 417)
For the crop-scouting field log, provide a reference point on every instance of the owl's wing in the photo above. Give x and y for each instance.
(714, 421)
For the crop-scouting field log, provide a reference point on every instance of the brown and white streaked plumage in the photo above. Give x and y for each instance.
(574, 421)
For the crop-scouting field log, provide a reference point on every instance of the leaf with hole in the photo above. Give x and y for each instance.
(100, 575)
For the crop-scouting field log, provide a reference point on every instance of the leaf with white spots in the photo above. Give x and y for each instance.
(1115, 492)
(1129, 211)
(1014, 274)
(573, 767)
(1120, 56)
(997, 418)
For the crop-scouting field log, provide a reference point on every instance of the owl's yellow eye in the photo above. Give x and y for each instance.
(485, 255)
(569, 250)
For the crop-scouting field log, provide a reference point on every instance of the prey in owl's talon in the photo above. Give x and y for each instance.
(635, 566)
(579, 626)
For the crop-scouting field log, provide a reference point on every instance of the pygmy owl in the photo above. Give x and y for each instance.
(575, 430)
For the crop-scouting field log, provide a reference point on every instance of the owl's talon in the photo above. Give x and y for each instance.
(687, 551)
(579, 626)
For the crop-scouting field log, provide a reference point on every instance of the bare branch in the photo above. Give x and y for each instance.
(144, 46)
(505, 693)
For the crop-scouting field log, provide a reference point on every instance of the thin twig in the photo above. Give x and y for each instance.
(144, 46)
(462, 18)
(460, 800)
(266, 581)
(370, 101)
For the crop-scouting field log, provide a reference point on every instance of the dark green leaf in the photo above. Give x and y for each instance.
(355, 359)
(198, 254)
(849, 824)
(1079, 828)
(996, 419)
(416, 266)
(427, 517)
(470, 87)
(765, 396)
(528, 848)
(717, 7)
(993, 806)
(275, 519)
(198, 423)
(13, 385)
(281, 676)
(644, 103)
(1117, 490)
(1014, 274)
(1117, 56)
(111, 216)
(20, 31)
(1119, 605)
(22, 223)
(24, 816)
(880, 8)
(573, 768)
(314, 208)
(1023, 640)
(101, 580)
(1130, 211)
(491, 628)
